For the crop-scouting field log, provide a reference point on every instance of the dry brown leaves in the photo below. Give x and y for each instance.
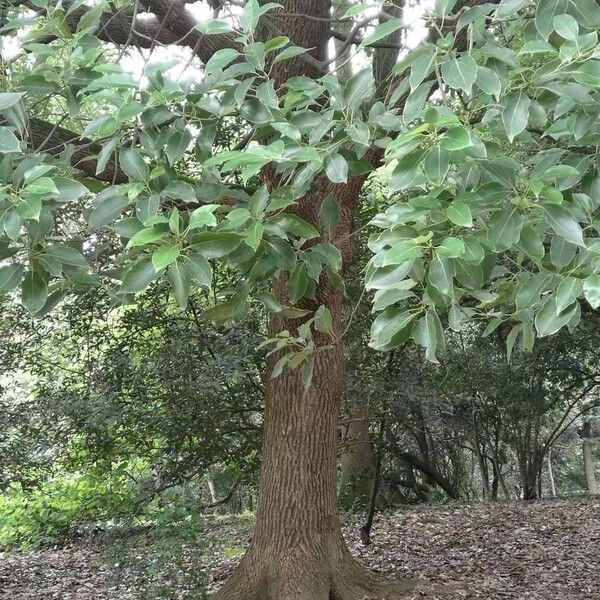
(548, 550)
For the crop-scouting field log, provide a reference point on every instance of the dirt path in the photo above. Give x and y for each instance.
(546, 550)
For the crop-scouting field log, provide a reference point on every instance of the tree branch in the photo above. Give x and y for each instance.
(54, 140)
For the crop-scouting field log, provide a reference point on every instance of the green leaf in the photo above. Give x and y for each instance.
(437, 162)
(401, 252)
(323, 321)
(564, 223)
(12, 224)
(336, 168)
(421, 66)
(199, 269)
(215, 244)
(460, 73)
(252, 12)
(289, 52)
(504, 229)
(139, 276)
(68, 189)
(549, 320)
(214, 27)
(42, 186)
(488, 81)
(256, 112)
(561, 252)
(440, 275)
(456, 139)
(358, 88)
(515, 114)
(67, 255)
(30, 207)
(8, 141)
(568, 291)
(444, 7)
(531, 243)
(179, 278)
(298, 282)
(507, 8)
(221, 312)
(459, 213)
(451, 247)
(391, 328)
(34, 292)
(133, 164)
(295, 225)
(107, 209)
(566, 26)
(220, 59)
(177, 145)
(254, 235)
(8, 99)
(10, 277)
(165, 255)
(591, 290)
(529, 291)
(259, 201)
(545, 12)
(381, 31)
(427, 332)
(406, 171)
(204, 216)
(388, 296)
(145, 236)
(307, 373)
(179, 190)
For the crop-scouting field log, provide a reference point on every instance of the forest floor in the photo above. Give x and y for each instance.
(546, 550)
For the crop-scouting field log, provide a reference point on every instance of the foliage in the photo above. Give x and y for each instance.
(494, 175)
(32, 517)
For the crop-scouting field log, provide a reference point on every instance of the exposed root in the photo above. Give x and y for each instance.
(267, 580)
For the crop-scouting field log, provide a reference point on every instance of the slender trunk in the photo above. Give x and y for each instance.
(365, 530)
(530, 469)
(590, 472)
(211, 489)
(481, 460)
(495, 480)
(358, 461)
(420, 434)
(585, 433)
(551, 474)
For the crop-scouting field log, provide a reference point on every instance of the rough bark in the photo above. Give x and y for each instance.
(297, 551)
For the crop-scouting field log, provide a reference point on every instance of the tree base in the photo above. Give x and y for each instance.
(299, 580)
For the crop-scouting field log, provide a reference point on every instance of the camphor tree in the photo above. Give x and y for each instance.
(487, 130)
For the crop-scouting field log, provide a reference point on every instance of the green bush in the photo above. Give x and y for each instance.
(32, 517)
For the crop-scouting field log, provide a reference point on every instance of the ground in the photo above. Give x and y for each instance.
(546, 550)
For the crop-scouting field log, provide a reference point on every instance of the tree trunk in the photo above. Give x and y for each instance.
(551, 475)
(588, 461)
(358, 461)
(297, 550)
(530, 468)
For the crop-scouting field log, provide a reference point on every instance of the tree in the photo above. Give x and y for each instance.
(490, 128)
(585, 433)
